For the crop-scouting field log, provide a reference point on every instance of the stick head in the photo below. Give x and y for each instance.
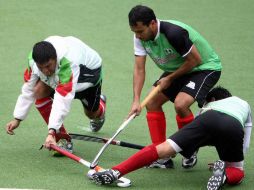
(94, 164)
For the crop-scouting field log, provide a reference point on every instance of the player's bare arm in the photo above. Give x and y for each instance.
(138, 82)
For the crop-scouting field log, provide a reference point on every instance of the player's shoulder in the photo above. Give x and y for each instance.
(171, 29)
(31, 62)
(239, 100)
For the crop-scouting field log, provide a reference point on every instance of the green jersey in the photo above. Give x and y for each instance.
(172, 43)
(232, 106)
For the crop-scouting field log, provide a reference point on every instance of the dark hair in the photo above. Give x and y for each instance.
(142, 14)
(43, 51)
(218, 93)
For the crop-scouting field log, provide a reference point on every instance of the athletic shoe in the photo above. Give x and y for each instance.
(65, 145)
(218, 178)
(106, 177)
(188, 163)
(97, 123)
(162, 163)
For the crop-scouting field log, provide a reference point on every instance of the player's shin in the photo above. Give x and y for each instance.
(182, 121)
(44, 106)
(187, 163)
(142, 158)
(157, 126)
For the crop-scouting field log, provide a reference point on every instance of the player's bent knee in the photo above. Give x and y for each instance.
(153, 106)
(182, 103)
(165, 150)
(41, 90)
(181, 107)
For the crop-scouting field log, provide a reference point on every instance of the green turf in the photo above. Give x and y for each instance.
(228, 26)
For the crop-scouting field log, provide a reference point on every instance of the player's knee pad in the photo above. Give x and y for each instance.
(234, 175)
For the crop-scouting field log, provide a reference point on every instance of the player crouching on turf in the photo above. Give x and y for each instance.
(224, 122)
(61, 69)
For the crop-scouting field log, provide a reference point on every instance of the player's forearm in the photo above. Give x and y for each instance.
(192, 60)
(60, 108)
(184, 69)
(246, 140)
(138, 77)
(138, 83)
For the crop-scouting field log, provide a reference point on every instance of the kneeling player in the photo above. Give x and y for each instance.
(224, 122)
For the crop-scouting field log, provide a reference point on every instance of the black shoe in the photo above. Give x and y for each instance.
(217, 180)
(162, 164)
(97, 123)
(188, 163)
(106, 177)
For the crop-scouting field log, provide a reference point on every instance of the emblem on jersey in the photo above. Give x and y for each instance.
(168, 51)
(148, 50)
(191, 85)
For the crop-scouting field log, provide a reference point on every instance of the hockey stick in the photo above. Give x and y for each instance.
(155, 91)
(121, 182)
(104, 140)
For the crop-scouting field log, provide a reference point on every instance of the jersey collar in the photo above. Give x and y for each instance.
(158, 30)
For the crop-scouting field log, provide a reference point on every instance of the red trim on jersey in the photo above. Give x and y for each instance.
(64, 89)
(27, 74)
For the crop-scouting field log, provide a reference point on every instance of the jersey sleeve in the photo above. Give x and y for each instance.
(178, 37)
(64, 94)
(139, 50)
(247, 132)
(26, 98)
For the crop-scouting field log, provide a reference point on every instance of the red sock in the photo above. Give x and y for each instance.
(102, 108)
(44, 106)
(157, 126)
(142, 158)
(181, 122)
(63, 134)
(234, 175)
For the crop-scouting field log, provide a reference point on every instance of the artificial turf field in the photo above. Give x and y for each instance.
(227, 25)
